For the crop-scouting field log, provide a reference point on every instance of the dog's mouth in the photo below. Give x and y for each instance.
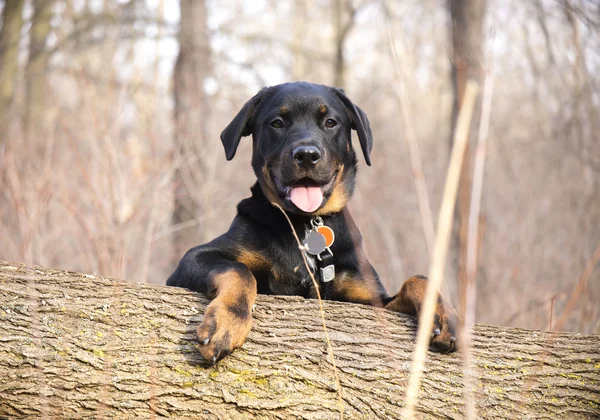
(307, 194)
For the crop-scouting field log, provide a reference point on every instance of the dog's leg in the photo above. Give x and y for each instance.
(366, 289)
(228, 318)
(353, 287)
(409, 300)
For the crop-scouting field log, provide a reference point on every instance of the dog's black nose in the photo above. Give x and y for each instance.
(306, 155)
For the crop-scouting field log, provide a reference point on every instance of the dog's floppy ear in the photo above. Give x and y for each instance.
(240, 126)
(360, 123)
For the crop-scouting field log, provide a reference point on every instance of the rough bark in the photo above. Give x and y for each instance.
(77, 346)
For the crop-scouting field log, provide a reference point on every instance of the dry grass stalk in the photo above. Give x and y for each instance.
(329, 347)
(442, 241)
(473, 234)
(413, 149)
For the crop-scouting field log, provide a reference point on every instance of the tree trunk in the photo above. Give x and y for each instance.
(299, 66)
(38, 114)
(77, 346)
(10, 36)
(344, 14)
(467, 21)
(192, 114)
(338, 62)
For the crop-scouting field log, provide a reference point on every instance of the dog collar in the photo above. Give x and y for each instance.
(317, 242)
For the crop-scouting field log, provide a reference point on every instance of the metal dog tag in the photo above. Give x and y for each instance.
(327, 232)
(315, 243)
(327, 273)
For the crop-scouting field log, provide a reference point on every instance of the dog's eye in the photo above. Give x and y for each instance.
(278, 123)
(330, 123)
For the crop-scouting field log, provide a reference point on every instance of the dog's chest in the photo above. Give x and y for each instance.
(289, 275)
(290, 280)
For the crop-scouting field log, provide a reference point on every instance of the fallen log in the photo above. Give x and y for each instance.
(79, 346)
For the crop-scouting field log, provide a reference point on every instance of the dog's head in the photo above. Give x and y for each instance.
(302, 151)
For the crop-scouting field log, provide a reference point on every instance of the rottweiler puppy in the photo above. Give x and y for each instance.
(305, 162)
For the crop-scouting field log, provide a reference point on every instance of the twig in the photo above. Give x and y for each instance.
(329, 347)
(551, 311)
(414, 152)
(442, 241)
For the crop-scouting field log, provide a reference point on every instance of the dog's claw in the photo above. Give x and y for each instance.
(437, 332)
(206, 340)
(214, 359)
(453, 339)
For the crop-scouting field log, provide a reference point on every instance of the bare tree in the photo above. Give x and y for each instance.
(344, 14)
(300, 59)
(588, 117)
(192, 114)
(37, 114)
(10, 34)
(467, 64)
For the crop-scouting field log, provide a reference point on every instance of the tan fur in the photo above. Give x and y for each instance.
(352, 290)
(409, 301)
(225, 329)
(253, 260)
(338, 199)
(270, 191)
(411, 295)
(256, 262)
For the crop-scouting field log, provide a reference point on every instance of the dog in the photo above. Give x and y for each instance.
(305, 163)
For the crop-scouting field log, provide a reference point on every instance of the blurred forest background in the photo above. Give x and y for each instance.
(111, 110)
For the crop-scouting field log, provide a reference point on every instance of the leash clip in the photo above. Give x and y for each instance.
(315, 222)
(326, 249)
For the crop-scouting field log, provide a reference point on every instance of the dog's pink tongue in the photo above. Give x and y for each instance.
(307, 199)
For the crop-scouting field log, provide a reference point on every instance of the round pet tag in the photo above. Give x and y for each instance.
(327, 232)
(315, 243)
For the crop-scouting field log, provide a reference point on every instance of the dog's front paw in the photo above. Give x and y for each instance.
(443, 332)
(409, 300)
(224, 328)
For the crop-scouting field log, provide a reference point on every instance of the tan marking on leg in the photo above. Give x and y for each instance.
(257, 262)
(253, 260)
(353, 291)
(228, 318)
(350, 289)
